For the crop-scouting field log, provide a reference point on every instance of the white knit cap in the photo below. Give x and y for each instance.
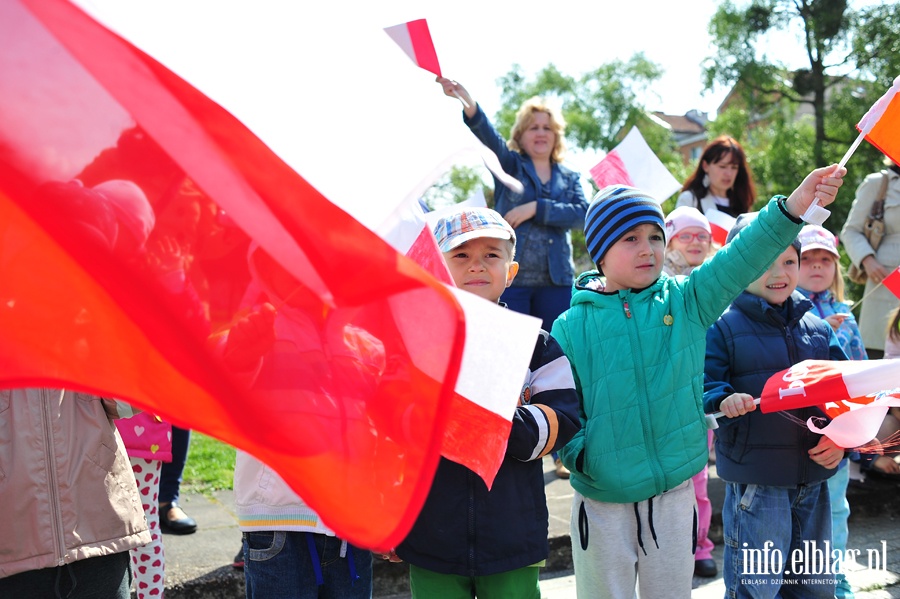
(684, 217)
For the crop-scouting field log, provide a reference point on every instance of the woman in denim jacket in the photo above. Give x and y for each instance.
(551, 204)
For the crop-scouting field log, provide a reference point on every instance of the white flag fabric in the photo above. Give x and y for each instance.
(633, 163)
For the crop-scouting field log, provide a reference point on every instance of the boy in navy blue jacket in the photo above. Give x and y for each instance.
(776, 470)
(469, 541)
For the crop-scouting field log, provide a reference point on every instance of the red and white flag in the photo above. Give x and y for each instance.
(129, 201)
(892, 282)
(633, 163)
(721, 224)
(881, 124)
(415, 39)
(481, 411)
(855, 394)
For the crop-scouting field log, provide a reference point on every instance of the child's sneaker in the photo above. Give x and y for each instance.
(561, 471)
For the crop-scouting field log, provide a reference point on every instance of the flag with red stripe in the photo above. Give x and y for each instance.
(129, 202)
(881, 124)
(415, 39)
(633, 163)
(855, 394)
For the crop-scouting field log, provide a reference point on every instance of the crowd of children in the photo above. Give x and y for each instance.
(667, 328)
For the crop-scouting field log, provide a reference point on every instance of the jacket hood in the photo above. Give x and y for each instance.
(591, 285)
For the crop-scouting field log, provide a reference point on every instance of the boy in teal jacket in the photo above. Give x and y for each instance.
(636, 340)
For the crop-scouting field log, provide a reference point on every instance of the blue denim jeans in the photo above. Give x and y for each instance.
(840, 513)
(772, 531)
(281, 564)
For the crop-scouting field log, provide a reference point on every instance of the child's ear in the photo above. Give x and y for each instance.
(512, 272)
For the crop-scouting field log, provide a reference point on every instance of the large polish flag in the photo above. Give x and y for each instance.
(129, 201)
(633, 163)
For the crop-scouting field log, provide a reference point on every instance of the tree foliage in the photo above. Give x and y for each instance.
(596, 105)
(852, 56)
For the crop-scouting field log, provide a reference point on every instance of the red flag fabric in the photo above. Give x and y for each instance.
(892, 282)
(480, 420)
(881, 124)
(823, 382)
(129, 205)
(721, 224)
(415, 39)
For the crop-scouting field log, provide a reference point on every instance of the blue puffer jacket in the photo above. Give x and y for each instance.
(468, 530)
(556, 215)
(749, 343)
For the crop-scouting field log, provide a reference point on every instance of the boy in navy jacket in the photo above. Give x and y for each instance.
(775, 468)
(470, 541)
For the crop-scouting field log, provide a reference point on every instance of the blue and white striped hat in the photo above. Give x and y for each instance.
(615, 210)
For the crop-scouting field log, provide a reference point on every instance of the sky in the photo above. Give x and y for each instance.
(336, 98)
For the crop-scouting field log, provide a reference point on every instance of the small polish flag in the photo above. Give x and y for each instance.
(721, 224)
(855, 394)
(881, 123)
(633, 163)
(892, 282)
(415, 39)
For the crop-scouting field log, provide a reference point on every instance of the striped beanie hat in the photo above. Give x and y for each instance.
(615, 210)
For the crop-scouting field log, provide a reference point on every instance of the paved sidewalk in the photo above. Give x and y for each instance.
(198, 566)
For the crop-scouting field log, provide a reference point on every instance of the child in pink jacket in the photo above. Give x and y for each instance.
(149, 443)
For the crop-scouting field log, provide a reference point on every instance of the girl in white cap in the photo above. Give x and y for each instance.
(688, 240)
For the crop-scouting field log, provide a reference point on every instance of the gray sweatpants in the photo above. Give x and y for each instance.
(649, 546)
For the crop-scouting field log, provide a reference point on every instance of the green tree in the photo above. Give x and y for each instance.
(851, 58)
(457, 185)
(597, 105)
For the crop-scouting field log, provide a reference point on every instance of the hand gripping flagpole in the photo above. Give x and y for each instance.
(815, 214)
(712, 420)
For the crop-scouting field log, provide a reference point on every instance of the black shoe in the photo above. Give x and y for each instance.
(238, 563)
(705, 568)
(173, 519)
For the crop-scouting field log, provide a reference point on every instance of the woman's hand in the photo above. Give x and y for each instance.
(822, 184)
(455, 90)
(875, 270)
(520, 214)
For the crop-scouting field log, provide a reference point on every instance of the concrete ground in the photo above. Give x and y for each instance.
(198, 566)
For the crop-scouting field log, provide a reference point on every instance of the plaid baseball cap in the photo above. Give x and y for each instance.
(456, 228)
(814, 237)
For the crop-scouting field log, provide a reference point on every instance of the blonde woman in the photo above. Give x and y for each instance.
(551, 204)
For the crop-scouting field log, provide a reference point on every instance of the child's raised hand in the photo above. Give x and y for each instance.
(826, 453)
(822, 184)
(737, 404)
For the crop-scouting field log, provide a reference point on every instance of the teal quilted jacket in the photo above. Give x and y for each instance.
(638, 357)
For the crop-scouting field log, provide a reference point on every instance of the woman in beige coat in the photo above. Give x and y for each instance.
(873, 318)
